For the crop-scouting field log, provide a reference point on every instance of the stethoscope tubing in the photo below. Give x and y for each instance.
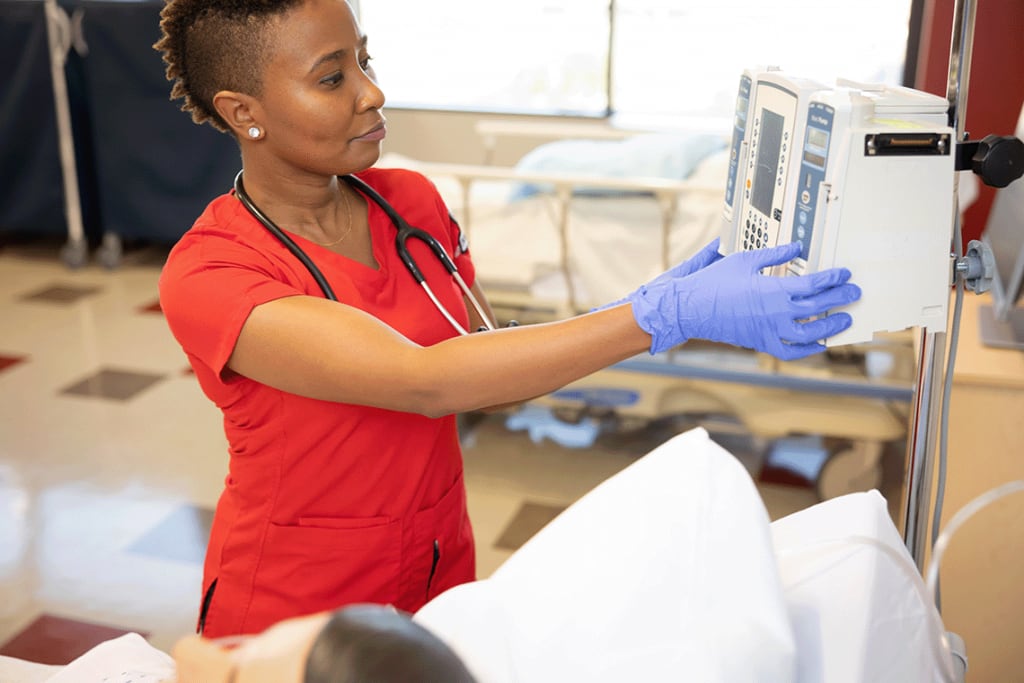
(404, 232)
(283, 237)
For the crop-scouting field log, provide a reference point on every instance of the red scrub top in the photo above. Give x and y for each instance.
(324, 503)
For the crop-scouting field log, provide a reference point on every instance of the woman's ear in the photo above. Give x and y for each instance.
(237, 111)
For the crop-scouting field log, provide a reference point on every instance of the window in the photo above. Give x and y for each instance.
(535, 56)
(654, 58)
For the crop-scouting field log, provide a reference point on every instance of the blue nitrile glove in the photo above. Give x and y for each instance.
(730, 301)
(703, 258)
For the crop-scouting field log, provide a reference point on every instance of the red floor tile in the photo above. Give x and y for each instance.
(56, 640)
(151, 308)
(8, 361)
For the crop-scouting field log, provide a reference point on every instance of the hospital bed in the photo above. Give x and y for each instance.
(583, 220)
(578, 223)
(669, 570)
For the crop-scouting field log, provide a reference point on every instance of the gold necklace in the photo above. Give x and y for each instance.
(348, 217)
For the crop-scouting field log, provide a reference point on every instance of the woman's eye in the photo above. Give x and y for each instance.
(333, 79)
(365, 62)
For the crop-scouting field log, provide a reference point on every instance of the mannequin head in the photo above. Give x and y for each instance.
(355, 643)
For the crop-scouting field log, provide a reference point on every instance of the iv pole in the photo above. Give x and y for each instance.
(927, 403)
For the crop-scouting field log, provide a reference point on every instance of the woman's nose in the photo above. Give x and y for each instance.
(370, 96)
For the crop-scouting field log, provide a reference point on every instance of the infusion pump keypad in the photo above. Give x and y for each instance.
(766, 179)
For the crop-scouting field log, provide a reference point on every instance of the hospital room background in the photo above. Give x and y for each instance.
(583, 146)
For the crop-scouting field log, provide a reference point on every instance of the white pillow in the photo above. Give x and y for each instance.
(664, 572)
(857, 602)
(650, 155)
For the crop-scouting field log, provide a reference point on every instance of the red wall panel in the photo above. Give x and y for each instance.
(996, 84)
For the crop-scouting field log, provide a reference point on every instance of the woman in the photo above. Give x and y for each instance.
(345, 478)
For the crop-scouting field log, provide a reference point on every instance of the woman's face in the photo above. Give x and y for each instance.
(321, 107)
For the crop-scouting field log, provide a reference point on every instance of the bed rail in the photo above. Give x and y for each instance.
(666, 192)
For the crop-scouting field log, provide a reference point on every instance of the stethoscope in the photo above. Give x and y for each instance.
(405, 232)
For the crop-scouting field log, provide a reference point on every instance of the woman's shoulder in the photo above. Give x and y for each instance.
(222, 232)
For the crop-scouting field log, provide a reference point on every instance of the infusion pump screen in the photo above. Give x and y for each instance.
(767, 162)
(741, 112)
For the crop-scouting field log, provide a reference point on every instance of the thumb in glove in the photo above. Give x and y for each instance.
(705, 257)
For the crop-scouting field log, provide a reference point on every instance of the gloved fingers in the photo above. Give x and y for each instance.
(796, 351)
(706, 256)
(772, 256)
(812, 283)
(817, 329)
(835, 297)
(702, 259)
(803, 339)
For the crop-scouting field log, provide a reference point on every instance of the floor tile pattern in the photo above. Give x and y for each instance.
(55, 640)
(528, 520)
(60, 294)
(10, 361)
(180, 537)
(113, 384)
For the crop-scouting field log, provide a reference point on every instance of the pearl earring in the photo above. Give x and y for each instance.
(254, 132)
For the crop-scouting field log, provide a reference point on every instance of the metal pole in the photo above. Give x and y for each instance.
(56, 20)
(927, 402)
(921, 464)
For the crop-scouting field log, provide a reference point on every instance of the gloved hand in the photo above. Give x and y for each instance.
(728, 300)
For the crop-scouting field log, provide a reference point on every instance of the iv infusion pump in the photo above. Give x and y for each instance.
(862, 175)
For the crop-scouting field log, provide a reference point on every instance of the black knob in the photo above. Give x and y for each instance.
(999, 160)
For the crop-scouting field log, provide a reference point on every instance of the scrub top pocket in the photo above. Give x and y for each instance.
(326, 562)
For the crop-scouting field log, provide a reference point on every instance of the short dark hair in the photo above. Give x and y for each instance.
(213, 45)
(362, 643)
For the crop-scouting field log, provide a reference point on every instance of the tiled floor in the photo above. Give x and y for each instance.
(111, 461)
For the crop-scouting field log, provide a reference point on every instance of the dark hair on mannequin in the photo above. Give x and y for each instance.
(213, 45)
(363, 643)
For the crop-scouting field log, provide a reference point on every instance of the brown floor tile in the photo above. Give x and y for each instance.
(55, 640)
(180, 537)
(117, 385)
(530, 519)
(60, 294)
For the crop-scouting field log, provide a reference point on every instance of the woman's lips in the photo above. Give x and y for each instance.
(375, 134)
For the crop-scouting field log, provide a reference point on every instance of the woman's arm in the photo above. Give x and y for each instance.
(330, 351)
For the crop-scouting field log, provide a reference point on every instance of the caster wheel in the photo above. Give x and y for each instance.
(74, 254)
(109, 252)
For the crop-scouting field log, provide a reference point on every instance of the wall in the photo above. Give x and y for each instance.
(450, 136)
(996, 84)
